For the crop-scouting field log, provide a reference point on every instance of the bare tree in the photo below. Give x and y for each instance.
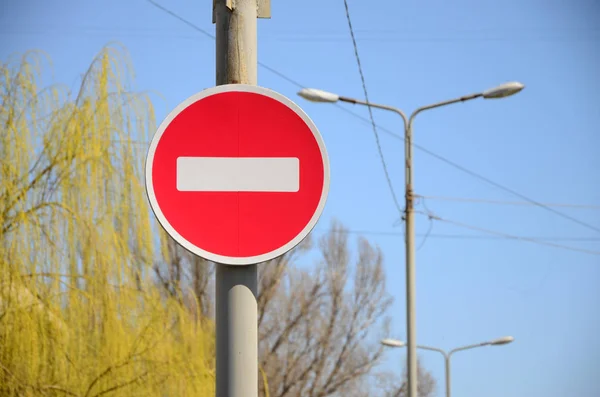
(314, 330)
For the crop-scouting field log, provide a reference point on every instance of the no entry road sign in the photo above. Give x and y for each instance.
(237, 174)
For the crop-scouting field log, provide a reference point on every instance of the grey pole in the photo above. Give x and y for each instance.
(236, 286)
(411, 283)
(447, 360)
(236, 333)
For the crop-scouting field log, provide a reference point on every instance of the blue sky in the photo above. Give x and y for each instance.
(542, 143)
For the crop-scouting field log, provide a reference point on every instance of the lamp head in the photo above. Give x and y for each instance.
(502, 341)
(393, 343)
(314, 95)
(503, 90)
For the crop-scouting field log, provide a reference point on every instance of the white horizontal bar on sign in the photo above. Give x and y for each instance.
(238, 174)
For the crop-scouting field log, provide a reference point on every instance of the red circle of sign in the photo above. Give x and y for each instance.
(238, 124)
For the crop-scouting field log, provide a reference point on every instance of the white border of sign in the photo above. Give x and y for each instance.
(229, 260)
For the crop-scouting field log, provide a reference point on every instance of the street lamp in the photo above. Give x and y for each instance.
(501, 91)
(447, 355)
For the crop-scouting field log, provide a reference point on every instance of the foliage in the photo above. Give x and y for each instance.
(78, 313)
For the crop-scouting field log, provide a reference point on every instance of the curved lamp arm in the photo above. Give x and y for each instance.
(473, 346)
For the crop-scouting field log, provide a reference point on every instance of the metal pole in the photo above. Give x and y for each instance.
(447, 359)
(237, 337)
(236, 286)
(411, 326)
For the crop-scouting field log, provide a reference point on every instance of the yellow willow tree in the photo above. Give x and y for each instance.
(79, 315)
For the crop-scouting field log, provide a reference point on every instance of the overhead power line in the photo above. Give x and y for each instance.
(500, 236)
(373, 125)
(507, 189)
(181, 19)
(504, 202)
(508, 236)
(396, 135)
(323, 36)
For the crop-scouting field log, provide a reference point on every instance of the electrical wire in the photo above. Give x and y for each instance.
(181, 19)
(373, 125)
(507, 189)
(431, 223)
(395, 36)
(465, 236)
(503, 202)
(508, 236)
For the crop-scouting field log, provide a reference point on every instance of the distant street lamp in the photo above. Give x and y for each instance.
(495, 342)
(501, 91)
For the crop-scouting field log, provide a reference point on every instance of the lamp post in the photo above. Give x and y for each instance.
(448, 355)
(501, 91)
